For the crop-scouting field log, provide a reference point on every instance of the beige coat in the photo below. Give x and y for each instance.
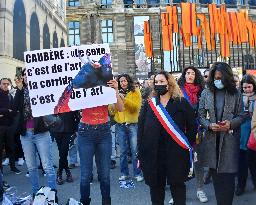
(254, 122)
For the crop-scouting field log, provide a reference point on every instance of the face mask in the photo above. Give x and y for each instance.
(218, 84)
(9, 87)
(161, 89)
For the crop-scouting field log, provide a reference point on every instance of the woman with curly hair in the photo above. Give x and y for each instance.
(220, 114)
(192, 84)
(166, 130)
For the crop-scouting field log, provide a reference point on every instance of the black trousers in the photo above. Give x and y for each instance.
(7, 138)
(178, 191)
(247, 159)
(62, 140)
(224, 187)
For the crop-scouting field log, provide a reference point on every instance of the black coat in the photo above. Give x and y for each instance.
(150, 132)
(6, 104)
(39, 125)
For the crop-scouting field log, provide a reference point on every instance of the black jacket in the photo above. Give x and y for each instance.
(6, 104)
(151, 134)
(39, 125)
(69, 123)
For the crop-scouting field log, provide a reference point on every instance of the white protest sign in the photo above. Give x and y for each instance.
(67, 79)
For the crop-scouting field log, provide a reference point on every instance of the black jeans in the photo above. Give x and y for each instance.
(247, 159)
(7, 137)
(62, 140)
(224, 187)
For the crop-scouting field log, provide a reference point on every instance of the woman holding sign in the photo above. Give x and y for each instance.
(166, 130)
(94, 138)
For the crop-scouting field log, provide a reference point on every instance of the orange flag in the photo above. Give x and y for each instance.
(249, 25)
(206, 30)
(214, 18)
(186, 37)
(148, 40)
(199, 37)
(166, 32)
(189, 18)
(173, 18)
(234, 31)
(224, 38)
(241, 18)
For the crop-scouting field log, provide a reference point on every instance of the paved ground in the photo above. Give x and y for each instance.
(137, 196)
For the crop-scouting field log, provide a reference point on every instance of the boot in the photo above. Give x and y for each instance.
(59, 179)
(69, 176)
(86, 202)
(106, 201)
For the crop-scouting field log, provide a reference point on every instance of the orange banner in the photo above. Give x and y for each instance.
(148, 40)
(166, 32)
(189, 18)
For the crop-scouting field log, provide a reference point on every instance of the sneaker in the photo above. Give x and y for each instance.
(27, 174)
(5, 185)
(123, 177)
(201, 196)
(21, 161)
(5, 162)
(171, 201)
(59, 179)
(139, 178)
(69, 176)
(15, 170)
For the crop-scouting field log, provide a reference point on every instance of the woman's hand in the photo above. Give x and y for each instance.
(113, 84)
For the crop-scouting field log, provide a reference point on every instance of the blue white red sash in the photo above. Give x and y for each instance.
(172, 129)
(185, 95)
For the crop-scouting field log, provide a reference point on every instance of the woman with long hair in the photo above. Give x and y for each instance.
(165, 156)
(192, 84)
(126, 125)
(220, 114)
(246, 156)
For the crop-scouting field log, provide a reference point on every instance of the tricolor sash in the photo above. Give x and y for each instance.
(185, 95)
(172, 129)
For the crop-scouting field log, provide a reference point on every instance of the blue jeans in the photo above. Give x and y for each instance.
(94, 140)
(127, 135)
(43, 144)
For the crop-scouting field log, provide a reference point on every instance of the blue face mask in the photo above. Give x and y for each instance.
(218, 84)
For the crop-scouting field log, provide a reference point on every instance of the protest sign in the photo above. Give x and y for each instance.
(67, 79)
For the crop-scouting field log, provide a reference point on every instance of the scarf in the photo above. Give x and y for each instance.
(249, 101)
(27, 107)
(192, 92)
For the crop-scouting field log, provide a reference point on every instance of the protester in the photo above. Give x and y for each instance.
(62, 134)
(94, 138)
(35, 137)
(161, 157)
(237, 81)
(192, 84)
(126, 125)
(246, 156)
(220, 113)
(206, 75)
(7, 115)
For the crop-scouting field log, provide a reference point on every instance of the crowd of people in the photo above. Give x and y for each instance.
(170, 130)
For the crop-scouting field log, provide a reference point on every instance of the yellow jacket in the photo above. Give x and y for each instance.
(132, 105)
(254, 121)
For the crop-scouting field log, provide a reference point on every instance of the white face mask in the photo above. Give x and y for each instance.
(218, 84)
(9, 87)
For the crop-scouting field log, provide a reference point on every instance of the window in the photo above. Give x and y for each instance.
(218, 1)
(73, 3)
(106, 2)
(252, 2)
(107, 31)
(205, 1)
(74, 33)
(230, 2)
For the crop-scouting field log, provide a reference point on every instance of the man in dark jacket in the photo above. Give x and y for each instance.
(6, 119)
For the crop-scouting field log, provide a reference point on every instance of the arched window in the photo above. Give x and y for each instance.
(46, 37)
(19, 30)
(55, 40)
(62, 43)
(34, 33)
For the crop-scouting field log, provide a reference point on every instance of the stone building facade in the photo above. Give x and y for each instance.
(29, 25)
(91, 13)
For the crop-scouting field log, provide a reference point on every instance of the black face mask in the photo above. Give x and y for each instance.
(161, 89)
